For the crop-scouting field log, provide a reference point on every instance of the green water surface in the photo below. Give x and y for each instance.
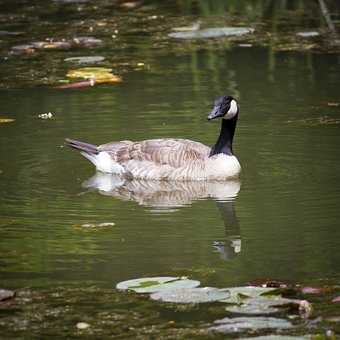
(283, 221)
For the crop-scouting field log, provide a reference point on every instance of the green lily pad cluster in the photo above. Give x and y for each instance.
(216, 32)
(249, 308)
(240, 300)
(174, 289)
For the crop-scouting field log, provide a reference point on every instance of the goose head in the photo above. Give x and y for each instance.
(225, 107)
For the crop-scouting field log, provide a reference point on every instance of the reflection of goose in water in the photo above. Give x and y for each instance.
(161, 193)
(164, 196)
(231, 246)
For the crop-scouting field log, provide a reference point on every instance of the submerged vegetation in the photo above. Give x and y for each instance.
(119, 35)
(106, 313)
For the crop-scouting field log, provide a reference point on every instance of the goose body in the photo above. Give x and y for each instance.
(171, 159)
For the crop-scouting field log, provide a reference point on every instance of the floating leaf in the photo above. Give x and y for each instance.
(269, 283)
(48, 115)
(6, 294)
(237, 294)
(336, 299)
(262, 305)
(313, 290)
(88, 72)
(191, 295)
(87, 41)
(156, 284)
(310, 34)
(99, 74)
(82, 325)
(50, 44)
(99, 225)
(23, 49)
(78, 84)
(6, 120)
(236, 325)
(278, 337)
(85, 60)
(10, 33)
(216, 32)
(131, 4)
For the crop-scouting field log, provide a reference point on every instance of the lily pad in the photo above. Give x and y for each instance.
(262, 305)
(23, 49)
(310, 34)
(238, 294)
(278, 337)
(98, 225)
(191, 295)
(82, 325)
(99, 74)
(6, 294)
(88, 41)
(85, 60)
(48, 115)
(157, 284)
(10, 33)
(336, 299)
(6, 120)
(216, 32)
(236, 325)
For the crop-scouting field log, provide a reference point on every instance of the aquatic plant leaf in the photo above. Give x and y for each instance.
(87, 41)
(6, 120)
(216, 32)
(262, 305)
(10, 33)
(313, 290)
(278, 337)
(85, 60)
(191, 295)
(309, 34)
(23, 49)
(236, 325)
(156, 284)
(82, 325)
(336, 299)
(6, 294)
(183, 283)
(238, 294)
(99, 74)
(95, 225)
(78, 84)
(48, 115)
(88, 72)
(269, 283)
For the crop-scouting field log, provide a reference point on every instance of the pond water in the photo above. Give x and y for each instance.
(282, 223)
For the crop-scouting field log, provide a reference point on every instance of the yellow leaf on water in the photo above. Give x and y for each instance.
(99, 74)
(88, 72)
(6, 120)
(107, 78)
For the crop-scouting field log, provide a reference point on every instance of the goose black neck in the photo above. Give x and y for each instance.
(224, 142)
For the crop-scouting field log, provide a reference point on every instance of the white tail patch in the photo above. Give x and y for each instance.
(104, 163)
(232, 110)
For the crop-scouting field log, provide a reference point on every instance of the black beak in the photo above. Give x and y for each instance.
(215, 113)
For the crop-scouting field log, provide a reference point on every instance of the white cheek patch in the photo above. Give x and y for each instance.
(232, 111)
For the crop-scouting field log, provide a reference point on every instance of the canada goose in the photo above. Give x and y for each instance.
(171, 159)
